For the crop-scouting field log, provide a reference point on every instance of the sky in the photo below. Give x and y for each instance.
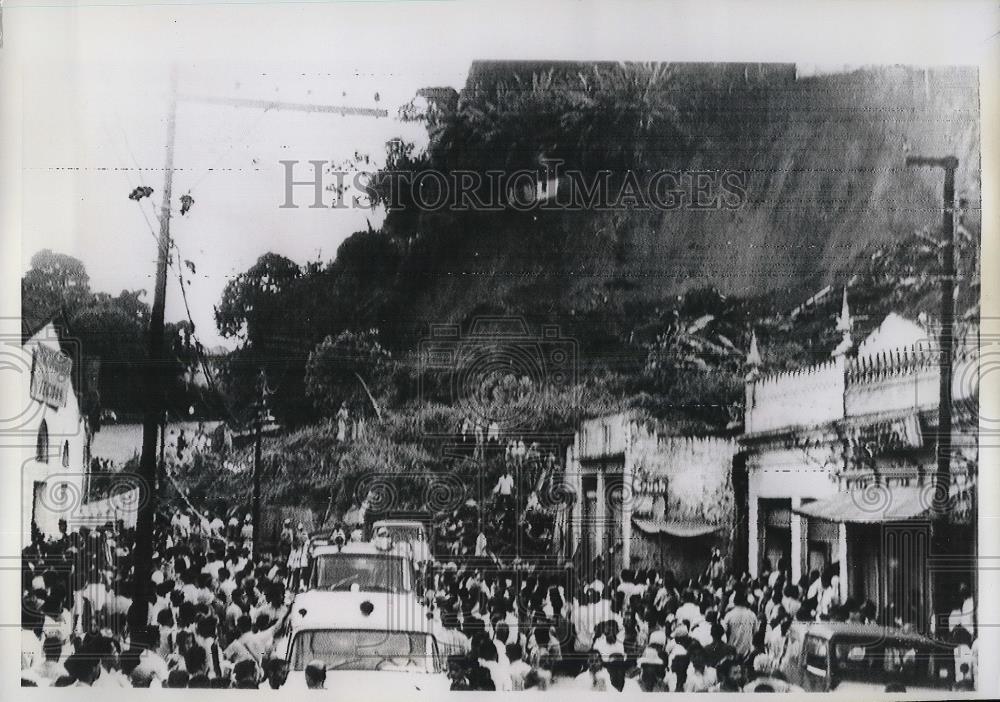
(86, 84)
(103, 132)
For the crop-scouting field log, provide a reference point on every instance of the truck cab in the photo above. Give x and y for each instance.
(370, 642)
(360, 567)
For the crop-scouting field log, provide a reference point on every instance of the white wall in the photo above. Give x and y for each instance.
(63, 493)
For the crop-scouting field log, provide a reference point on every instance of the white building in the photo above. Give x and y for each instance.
(646, 498)
(840, 459)
(55, 467)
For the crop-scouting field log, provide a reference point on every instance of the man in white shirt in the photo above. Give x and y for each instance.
(595, 678)
(583, 622)
(237, 564)
(234, 611)
(689, 612)
(50, 669)
(227, 584)
(608, 642)
(163, 590)
(702, 633)
(517, 667)
(489, 659)
(216, 527)
(213, 565)
(247, 646)
(505, 485)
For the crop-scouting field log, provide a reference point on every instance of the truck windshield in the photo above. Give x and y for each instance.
(346, 649)
(884, 661)
(364, 572)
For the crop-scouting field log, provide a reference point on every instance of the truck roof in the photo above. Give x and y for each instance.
(829, 630)
(358, 547)
(323, 610)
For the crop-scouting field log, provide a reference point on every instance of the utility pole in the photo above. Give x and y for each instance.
(258, 421)
(153, 414)
(161, 475)
(156, 367)
(942, 476)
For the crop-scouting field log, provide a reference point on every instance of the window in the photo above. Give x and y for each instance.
(816, 654)
(367, 572)
(890, 660)
(65, 454)
(343, 649)
(42, 443)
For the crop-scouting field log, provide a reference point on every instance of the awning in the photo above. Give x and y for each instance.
(683, 530)
(872, 505)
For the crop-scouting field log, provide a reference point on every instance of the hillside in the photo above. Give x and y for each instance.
(826, 181)
(828, 202)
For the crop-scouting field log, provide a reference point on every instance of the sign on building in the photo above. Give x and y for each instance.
(50, 374)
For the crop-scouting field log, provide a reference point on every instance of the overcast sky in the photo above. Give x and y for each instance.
(104, 134)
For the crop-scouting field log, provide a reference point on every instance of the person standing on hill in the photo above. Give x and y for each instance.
(343, 416)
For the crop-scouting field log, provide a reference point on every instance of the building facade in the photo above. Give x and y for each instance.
(647, 499)
(840, 460)
(54, 470)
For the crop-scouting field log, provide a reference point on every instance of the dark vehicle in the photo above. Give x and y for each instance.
(846, 657)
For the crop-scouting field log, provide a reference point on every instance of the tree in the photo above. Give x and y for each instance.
(111, 329)
(349, 368)
(54, 280)
(251, 302)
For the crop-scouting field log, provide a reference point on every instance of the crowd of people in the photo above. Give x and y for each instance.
(209, 619)
(511, 521)
(213, 612)
(642, 630)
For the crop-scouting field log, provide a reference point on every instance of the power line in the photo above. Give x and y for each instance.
(342, 110)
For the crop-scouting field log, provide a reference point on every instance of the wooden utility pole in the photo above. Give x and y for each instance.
(258, 421)
(942, 476)
(153, 414)
(161, 475)
(156, 367)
